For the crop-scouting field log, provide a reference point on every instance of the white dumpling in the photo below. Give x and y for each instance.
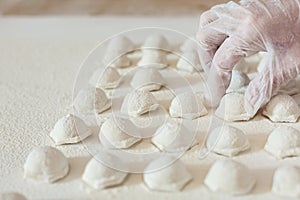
(232, 108)
(163, 174)
(116, 59)
(189, 45)
(290, 88)
(120, 44)
(70, 129)
(187, 105)
(12, 196)
(113, 133)
(153, 58)
(227, 140)
(46, 164)
(99, 176)
(282, 108)
(230, 177)
(139, 102)
(91, 100)
(148, 79)
(238, 82)
(283, 141)
(286, 181)
(250, 64)
(173, 136)
(108, 78)
(189, 61)
(156, 41)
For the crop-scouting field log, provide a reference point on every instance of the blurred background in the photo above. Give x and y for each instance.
(106, 7)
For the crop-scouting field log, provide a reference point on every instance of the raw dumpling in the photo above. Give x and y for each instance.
(238, 82)
(157, 42)
(153, 58)
(69, 129)
(189, 61)
(227, 140)
(113, 133)
(232, 108)
(99, 176)
(12, 196)
(140, 102)
(229, 177)
(108, 78)
(91, 100)
(187, 105)
(189, 45)
(120, 44)
(46, 164)
(163, 174)
(286, 181)
(250, 64)
(284, 141)
(116, 59)
(290, 88)
(172, 137)
(282, 108)
(147, 79)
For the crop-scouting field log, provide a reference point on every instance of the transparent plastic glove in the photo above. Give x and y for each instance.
(230, 32)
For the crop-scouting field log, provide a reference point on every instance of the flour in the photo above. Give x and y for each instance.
(227, 140)
(228, 176)
(12, 196)
(283, 142)
(282, 108)
(171, 178)
(46, 164)
(148, 79)
(69, 129)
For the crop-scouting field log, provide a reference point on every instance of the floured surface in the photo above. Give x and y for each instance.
(39, 62)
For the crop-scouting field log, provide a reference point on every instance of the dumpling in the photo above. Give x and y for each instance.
(189, 45)
(139, 102)
(187, 105)
(99, 176)
(238, 82)
(230, 177)
(156, 41)
(189, 61)
(283, 141)
(148, 79)
(172, 137)
(113, 133)
(232, 108)
(290, 88)
(91, 100)
(116, 59)
(120, 44)
(250, 64)
(69, 129)
(108, 78)
(163, 174)
(12, 196)
(227, 140)
(282, 108)
(46, 164)
(153, 58)
(286, 181)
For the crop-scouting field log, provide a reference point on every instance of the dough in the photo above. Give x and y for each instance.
(99, 176)
(148, 79)
(46, 164)
(232, 108)
(156, 41)
(228, 176)
(108, 78)
(163, 174)
(282, 108)
(116, 59)
(227, 140)
(120, 44)
(238, 82)
(173, 137)
(113, 133)
(189, 61)
(290, 88)
(283, 141)
(153, 58)
(69, 129)
(286, 181)
(91, 100)
(140, 102)
(187, 105)
(189, 45)
(12, 196)
(250, 63)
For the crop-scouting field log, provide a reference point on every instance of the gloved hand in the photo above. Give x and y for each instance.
(230, 32)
